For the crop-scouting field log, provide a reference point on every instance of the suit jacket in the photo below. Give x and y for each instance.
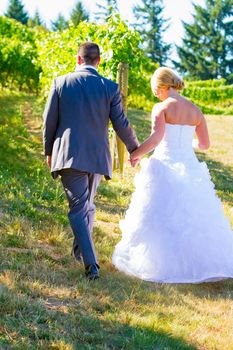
(76, 121)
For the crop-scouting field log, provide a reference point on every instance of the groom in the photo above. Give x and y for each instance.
(76, 120)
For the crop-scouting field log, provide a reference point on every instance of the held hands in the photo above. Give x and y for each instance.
(134, 162)
(134, 159)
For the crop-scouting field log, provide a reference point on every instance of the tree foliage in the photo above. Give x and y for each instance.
(60, 23)
(106, 8)
(151, 25)
(30, 58)
(79, 14)
(37, 19)
(118, 43)
(207, 50)
(16, 11)
(18, 55)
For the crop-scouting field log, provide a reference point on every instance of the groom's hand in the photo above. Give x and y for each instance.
(49, 159)
(134, 162)
(134, 159)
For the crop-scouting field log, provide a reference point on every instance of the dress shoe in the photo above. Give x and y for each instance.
(78, 256)
(92, 272)
(79, 259)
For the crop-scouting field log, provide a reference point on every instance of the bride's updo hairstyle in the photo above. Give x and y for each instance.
(165, 77)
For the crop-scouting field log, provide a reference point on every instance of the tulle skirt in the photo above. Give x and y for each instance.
(175, 230)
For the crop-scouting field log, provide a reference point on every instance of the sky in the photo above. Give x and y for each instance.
(176, 10)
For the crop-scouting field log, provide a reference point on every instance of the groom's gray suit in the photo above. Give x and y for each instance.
(76, 120)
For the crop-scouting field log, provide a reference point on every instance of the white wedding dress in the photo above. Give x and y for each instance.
(175, 230)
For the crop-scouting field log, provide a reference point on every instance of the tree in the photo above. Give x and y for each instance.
(36, 21)
(207, 51)
(151, 25)
(60, 23)
(79, 14)
(16, 10)
(119, 43)
(105, 9)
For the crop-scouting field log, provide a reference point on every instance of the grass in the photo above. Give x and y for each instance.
(45, 300)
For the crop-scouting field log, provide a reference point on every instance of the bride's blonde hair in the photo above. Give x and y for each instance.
(166, 77)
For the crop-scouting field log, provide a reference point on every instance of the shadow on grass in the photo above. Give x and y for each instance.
(61, 271)
(110, 208)
(31, 323)
(93, 315)
(88, 318)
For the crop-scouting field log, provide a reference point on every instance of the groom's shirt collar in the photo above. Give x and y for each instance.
(80, 67)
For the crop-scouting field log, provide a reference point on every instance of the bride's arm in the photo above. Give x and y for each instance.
(158, 115)
(202, 134)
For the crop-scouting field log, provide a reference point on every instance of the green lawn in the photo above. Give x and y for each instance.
(45, 300)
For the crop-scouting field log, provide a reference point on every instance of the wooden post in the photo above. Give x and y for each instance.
(118, 146)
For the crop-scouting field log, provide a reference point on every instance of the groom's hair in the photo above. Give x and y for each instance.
(89, 52)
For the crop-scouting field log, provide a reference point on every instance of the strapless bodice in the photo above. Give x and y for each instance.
(176, 142)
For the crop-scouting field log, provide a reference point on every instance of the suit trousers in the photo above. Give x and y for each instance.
(80, 188)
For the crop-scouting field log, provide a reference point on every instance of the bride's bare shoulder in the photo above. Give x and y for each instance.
(164, 106)
(191, 107)
(158, 112)
(159, 107)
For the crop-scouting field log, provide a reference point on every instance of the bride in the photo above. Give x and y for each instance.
(174, 230)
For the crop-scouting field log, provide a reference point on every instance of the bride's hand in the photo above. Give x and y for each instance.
(135, 162)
